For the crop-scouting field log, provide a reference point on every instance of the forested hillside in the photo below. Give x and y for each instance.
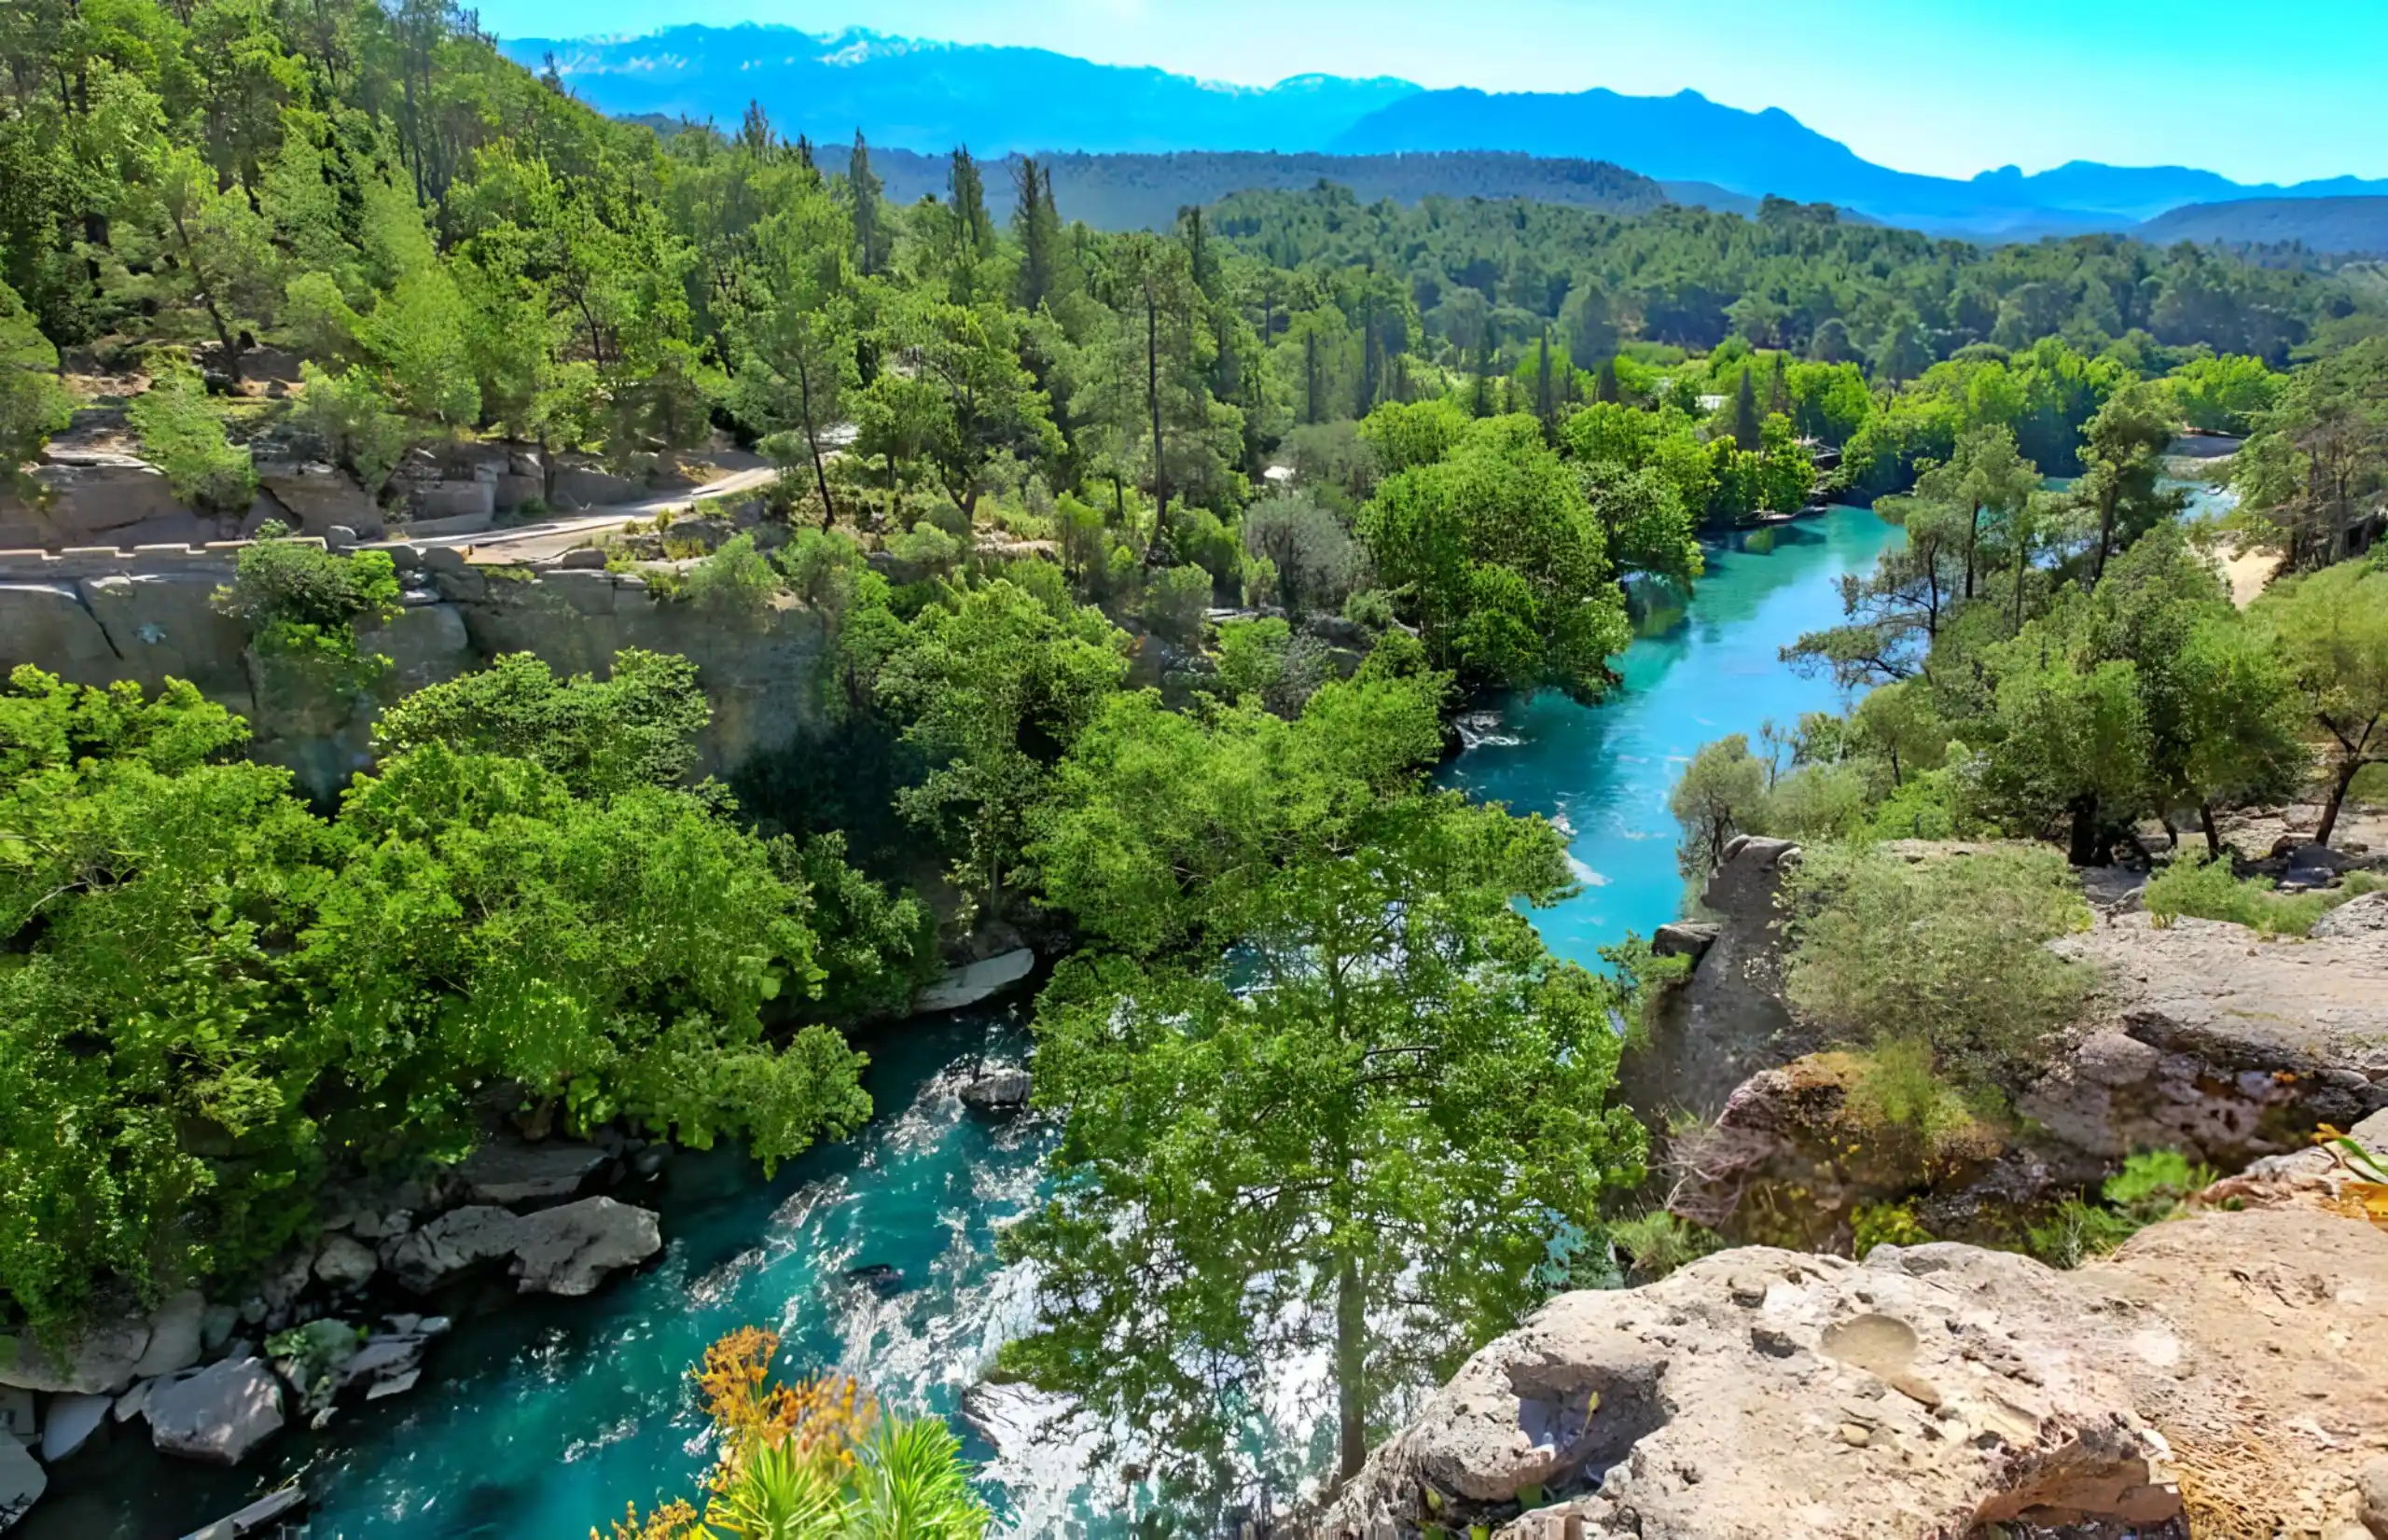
(1421, 454)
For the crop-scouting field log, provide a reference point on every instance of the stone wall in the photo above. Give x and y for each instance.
(95, 616)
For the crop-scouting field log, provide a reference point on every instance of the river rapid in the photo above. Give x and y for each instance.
(539, 1420)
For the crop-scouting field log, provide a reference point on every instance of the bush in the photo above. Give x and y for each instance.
(818, 1458)
(1885, 1225)
(1898, 1092)
(1651, 1245)
(1947, 951)
(2207, 889)
(929, 547)
(352, 416)
(736, 583)
(32, 404)
(2151, 1186)
(183, 434)
(1174, 602)
(299, 599)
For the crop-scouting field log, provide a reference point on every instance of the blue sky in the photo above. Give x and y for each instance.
(1948, 86)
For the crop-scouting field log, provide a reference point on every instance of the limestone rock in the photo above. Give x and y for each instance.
(507, 1171)
(2217, 1369)
(2363, 917)
(571, 1250)
(2296, 1031)
(451, 1246)
(175, 1336)
(346, 1263)
(981, 980)
(72, 1418)
(1673, 1413)
(218, 1414)
(101, 1359)
(1003, 1089)
(21, 1482)
(1727, 1021)
(1685, 939)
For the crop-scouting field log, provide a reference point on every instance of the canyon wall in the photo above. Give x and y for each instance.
(97, 614)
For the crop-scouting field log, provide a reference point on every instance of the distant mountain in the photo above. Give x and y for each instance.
(1686, 136)
(928, 96)
(2347, 225)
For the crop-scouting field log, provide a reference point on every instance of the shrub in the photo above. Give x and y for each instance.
(183, 434)
(2207, 889)
(1898, 1090)
(1308, 552)
(736, 583)
(32, 404)
(928, 546)
(299, 599)
(352, 416)
(1885, 1225)
(1654, 1244)
(1175, 602)
(1947, 951)
(2151, 1186)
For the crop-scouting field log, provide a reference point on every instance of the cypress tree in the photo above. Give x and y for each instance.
(870, 235)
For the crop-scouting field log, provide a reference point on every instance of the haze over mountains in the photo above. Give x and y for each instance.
(928, 96)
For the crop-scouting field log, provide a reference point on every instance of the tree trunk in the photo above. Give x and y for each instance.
(2339, 785)
(1350, 1365)
(1152, 400)
(2083, 850)
(2212, 835)
(1973, 542)
(812, 443)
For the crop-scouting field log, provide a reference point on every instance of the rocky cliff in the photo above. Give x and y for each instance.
(2221, 1375)
(97, 616)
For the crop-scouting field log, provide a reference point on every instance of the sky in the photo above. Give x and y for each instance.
(1944, 87)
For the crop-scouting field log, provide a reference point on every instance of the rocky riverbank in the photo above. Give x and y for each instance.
(348, 1317)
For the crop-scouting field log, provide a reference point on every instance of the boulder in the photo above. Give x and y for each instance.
(21, 1482)
(2362, 918)
(177, 1336)
(218, 1414)
(346, 1263)
(1003, 1089)
(101, 1359)
(507, 1170)
(451, 1246)
(1684, 938)
(2214, 1376)
(72, 1418)
(981, 980)
(2258, 1040)
(571, 1250)
(1771, 1392)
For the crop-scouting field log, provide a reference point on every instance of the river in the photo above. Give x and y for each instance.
(537, 1421)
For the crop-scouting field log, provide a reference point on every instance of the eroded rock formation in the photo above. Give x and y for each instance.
(2224, 1369)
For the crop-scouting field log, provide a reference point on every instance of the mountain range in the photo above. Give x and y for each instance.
(928, 96)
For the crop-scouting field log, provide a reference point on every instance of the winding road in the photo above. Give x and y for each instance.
(552, 537)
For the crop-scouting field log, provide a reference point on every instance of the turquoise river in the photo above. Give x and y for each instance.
(537, 1421)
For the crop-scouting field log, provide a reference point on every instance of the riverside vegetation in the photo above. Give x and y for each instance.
(1307, 1053)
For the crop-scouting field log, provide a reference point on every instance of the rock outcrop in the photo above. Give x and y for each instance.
(977, 981)
(567, 1250)
(1727, 1021)
(2223, 1368)
(218, 1414)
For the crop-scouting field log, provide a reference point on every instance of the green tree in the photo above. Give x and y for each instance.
(2073, 735)
(183, 434)
(1722, 793)
(994, 686)
(796, 330)
(1366, 1148)
(32, 404)
(636, 726)
(2329, 629)
(2124, 457)
(2225, 394)
(1949, 951)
